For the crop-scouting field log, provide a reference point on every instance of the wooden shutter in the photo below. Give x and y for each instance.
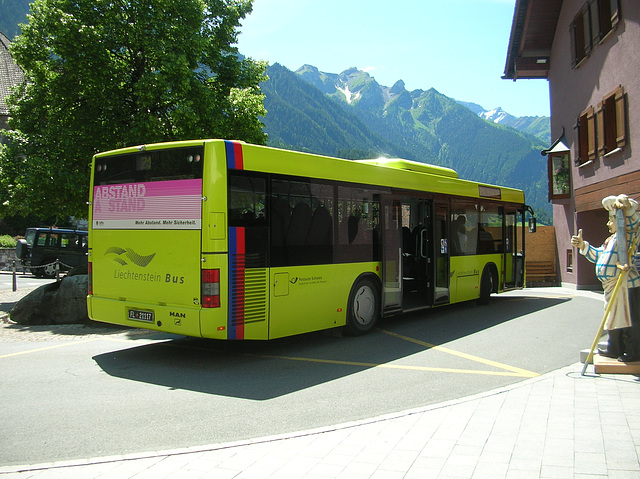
(621, 124)
(596, 26)
(591, 133)
(574, 44)
(615, 12)
(600, 130)
(583, 139)
(586, 30)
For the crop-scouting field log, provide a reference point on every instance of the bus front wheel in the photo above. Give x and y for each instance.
(487, 285)
(363, 309)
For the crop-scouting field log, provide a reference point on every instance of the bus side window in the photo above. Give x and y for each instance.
(301, 219)
(490, 230)
(246, 209)
(297, 252)
(358, 225)
(247, 199)
(320, 235)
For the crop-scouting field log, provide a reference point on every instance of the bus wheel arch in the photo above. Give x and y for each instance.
(488, 283)
(364, 306)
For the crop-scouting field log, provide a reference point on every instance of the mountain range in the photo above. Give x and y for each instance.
(535, 125)
(350, 115)
(14, 12)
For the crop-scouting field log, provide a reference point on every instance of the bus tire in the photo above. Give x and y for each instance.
(487, 285)
(363, 309)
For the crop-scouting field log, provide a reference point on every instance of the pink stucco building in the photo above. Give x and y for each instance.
(588, 52)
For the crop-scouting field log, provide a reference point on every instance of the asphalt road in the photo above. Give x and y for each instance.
(70, 395)
(23, 281)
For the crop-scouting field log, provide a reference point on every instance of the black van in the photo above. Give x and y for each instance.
(41, 247)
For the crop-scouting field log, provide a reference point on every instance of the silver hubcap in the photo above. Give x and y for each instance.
(364, 305)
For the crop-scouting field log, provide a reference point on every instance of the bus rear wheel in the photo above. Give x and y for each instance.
(363, 309)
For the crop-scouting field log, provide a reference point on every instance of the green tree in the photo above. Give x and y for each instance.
(103, 74)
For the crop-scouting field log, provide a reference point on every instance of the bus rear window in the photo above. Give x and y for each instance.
(156, 165)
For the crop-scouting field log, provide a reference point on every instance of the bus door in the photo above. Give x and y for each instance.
(391, 255)
(417, 232)
(513, 256)
(407, 254)
(440, 251)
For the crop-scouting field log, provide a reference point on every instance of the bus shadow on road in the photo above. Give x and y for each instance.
(265, 370)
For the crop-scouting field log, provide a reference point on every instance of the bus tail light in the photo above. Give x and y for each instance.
(90, 277)
(210, 288)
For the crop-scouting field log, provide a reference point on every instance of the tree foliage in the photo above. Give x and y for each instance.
(103, 74)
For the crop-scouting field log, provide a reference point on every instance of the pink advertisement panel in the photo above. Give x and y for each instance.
(175, 204)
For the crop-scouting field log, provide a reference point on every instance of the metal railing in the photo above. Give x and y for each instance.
(57, 265)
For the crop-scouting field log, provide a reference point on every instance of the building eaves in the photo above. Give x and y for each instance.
(532, 31)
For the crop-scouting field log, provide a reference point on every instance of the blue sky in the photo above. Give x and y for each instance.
(458, 47)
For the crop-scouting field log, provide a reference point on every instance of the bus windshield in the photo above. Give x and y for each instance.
(146, 166)
(157, 189)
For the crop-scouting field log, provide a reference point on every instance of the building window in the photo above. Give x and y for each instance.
(605, 15)
(581, 35)
(569, 261)
(559, 175)
(586, 137)
(596, 19)
(612, 127)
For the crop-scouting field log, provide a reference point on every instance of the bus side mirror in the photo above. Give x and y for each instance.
(532, 225)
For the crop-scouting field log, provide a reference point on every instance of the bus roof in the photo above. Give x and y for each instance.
(384, 172)
(409, 165)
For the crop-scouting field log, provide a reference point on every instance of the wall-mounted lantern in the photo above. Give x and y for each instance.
(559, 171)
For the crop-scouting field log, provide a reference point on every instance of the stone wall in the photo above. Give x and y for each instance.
(7, 257)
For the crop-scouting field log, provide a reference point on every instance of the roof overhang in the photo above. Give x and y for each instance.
(532, 31)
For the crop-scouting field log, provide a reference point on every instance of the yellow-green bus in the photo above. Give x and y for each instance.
(226, 240)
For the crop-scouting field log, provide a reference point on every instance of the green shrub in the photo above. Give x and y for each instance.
(7, 241)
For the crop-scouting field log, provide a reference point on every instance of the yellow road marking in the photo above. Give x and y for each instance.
(508, 370)
(70, 343)
(395, 366)
(488, 362)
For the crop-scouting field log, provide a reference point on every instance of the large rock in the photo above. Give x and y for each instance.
(63, 302)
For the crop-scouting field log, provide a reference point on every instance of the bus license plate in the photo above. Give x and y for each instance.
(138, 315)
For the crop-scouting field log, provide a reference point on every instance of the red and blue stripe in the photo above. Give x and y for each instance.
(235, 160)
(235, 317)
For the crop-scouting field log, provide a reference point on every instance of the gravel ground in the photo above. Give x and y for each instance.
(10, 331)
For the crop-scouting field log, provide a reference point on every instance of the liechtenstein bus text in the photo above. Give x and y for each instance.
(222, 239)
